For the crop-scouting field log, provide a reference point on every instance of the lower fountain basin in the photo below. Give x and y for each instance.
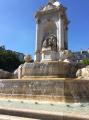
(58, 90)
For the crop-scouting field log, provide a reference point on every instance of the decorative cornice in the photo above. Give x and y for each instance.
(56, 9)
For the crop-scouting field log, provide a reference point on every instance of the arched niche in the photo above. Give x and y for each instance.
(50, 28)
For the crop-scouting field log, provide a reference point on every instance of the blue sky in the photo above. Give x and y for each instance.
(17, 24)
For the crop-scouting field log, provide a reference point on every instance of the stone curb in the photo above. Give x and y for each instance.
(44, 115)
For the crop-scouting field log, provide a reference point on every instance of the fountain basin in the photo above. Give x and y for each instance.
(48, 68)
(55, 89)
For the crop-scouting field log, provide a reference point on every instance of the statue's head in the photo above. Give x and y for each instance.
(50, 41)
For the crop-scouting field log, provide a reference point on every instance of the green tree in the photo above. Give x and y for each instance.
(85, 61)
(9, 61)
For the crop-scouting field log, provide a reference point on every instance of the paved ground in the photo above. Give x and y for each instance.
(38, 110)
(7, 117)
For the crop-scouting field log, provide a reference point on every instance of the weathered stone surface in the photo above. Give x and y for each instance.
(83, 73)
(68, 90)
(18, 72)
(27, 58)
(67, 61)
(5, 74)
(55, 69)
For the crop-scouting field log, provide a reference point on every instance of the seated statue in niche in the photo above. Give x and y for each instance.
(50, 41)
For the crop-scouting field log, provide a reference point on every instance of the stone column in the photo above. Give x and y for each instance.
(38, 44)
(20, 72)
(61, 35)
(57, 33)
(37, 34)
(66, 38)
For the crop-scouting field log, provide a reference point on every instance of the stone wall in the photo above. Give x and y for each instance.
(5, 74)
(53, 90)
(58, 69)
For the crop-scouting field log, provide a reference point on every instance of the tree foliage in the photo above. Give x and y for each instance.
(85, 61)
(9, 60)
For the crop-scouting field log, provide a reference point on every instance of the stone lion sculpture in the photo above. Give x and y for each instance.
(83, 73)
(50, 41)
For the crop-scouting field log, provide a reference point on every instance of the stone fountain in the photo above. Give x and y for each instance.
(52, 75)
(52, 57)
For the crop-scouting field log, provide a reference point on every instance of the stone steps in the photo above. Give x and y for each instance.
(8, 117)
